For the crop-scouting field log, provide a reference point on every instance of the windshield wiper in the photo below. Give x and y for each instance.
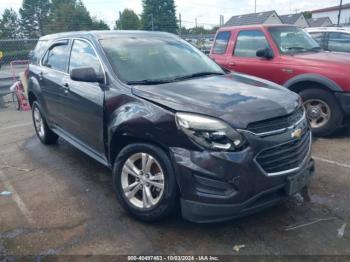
(315, 49)
(149, 82)
(197, 75)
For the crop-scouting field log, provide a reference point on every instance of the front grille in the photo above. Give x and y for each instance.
(285, 157)
(277, 123)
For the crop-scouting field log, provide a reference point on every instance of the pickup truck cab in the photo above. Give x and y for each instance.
(288, 56)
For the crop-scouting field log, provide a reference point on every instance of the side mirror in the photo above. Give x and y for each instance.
(265, 53)
(86, 74)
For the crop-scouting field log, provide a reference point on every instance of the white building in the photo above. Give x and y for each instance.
(332, 13)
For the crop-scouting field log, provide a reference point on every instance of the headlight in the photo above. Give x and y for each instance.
(210, 133)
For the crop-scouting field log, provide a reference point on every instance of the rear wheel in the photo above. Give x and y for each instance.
(145, 183)
(323, 111)
(42, 130)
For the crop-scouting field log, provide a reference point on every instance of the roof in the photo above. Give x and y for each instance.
(107, 34)
(249, 19)
(329, 29)
(317, 22)
(248, 27)
(332, 8)
(290, 19)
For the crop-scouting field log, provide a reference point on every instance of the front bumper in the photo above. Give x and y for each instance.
(217, 186)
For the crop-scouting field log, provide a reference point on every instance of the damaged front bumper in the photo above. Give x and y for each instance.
(218, 186)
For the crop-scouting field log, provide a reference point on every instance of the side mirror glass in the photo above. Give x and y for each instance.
(265, 53)
(86, 74)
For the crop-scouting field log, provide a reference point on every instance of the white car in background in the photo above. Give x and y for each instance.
(335, 39)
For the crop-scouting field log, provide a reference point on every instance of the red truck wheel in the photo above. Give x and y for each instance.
(323, 111)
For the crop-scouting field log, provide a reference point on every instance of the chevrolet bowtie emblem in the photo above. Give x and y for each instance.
(297, 133)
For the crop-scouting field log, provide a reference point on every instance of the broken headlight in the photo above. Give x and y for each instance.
(210, 133)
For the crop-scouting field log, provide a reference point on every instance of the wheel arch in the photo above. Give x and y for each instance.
(121, 140)
(31, 98)
(301, 82)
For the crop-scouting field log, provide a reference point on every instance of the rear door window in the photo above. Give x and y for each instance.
(221, 42)
(56, 57)
(248, 42)
(339, 42)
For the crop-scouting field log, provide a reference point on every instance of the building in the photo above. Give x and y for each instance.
(295, 19)
(269, 17)
(320, 22)
(332, 13)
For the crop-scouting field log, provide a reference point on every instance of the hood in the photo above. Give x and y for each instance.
(238, 99)
(324, 58)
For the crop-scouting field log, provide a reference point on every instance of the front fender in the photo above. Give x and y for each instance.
(143, 121)
(333, 86)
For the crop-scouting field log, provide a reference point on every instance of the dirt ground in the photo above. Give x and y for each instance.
(62, 202)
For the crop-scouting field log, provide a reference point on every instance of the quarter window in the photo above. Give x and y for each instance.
(56, 57)
(83, 55)
(221, 42)
(248, 42)
(339, 42)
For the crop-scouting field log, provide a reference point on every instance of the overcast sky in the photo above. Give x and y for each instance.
(206, 12)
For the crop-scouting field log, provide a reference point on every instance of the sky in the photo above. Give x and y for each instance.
(207, 13)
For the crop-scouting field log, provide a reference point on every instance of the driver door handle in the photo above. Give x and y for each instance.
(231, 63)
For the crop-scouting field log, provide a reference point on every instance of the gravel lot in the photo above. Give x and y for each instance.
(62, 202)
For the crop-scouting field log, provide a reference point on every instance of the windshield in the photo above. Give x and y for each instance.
(291, 40)
(154, 59)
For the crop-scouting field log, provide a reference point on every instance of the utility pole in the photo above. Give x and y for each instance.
(180, 24)
(339, 14)
(255, 7)
(195, 22)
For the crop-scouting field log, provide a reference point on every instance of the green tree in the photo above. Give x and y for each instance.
(128, 20)
(307, 14)
(71, 15)
(98, 24)
(34, 15)
(9, 25)
(159, 15)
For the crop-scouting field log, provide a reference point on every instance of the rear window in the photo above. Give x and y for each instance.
(56, 57)
(221, 42)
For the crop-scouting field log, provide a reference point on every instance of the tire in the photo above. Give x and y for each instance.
(168, 199)
(44, 133)
(335, 116)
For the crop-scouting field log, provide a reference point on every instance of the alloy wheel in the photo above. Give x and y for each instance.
(142, 180)
(318, 112)
(39, 123)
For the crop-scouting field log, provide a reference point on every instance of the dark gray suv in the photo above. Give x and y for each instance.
(175, 129)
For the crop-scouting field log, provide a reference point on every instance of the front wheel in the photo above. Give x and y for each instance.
(323, 111)
(145, 183)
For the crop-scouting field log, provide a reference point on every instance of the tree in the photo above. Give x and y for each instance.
(71, 15)
(307, 14)
(159, 15)
(9, 25)
(128, 20)
(99, 24)
(34, 15)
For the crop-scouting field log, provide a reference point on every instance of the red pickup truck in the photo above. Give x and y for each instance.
(288, 56)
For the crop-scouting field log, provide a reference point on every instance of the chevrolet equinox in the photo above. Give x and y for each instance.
(175, 129)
